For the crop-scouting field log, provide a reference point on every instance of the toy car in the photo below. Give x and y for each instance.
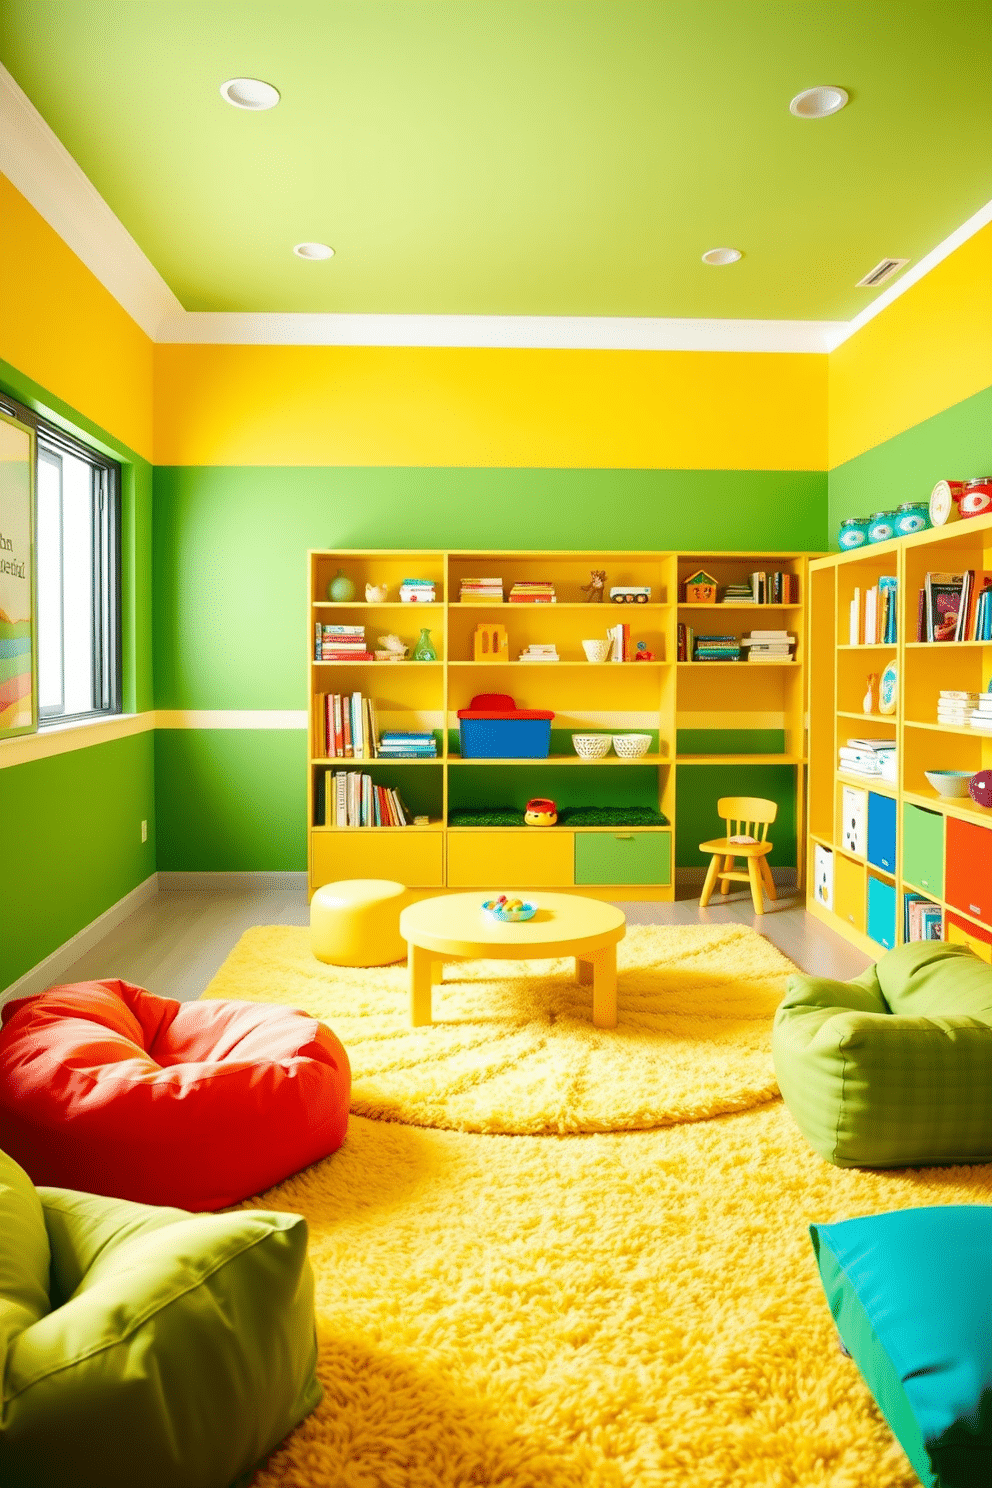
(630, 594)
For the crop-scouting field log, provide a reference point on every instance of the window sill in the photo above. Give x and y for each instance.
(62, 738)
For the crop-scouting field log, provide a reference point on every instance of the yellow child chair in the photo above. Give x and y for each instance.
(743, 815)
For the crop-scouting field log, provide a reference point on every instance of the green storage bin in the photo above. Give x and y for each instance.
(923, 849)
(623, 857)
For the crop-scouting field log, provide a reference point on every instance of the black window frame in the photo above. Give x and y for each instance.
(105, 490)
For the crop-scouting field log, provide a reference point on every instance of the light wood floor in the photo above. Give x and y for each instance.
(175, 942)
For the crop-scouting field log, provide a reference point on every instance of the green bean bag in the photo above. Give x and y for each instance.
(147, 1346)
(894, 1069)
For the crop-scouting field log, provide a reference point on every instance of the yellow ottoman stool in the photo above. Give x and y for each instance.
(356, 922)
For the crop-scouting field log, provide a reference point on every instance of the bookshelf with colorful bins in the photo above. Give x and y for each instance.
(942, 847)
(670, 701)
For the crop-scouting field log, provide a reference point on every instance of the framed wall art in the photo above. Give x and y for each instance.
(18, 619)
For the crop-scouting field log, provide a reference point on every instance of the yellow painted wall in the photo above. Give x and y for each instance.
(62, 329)
(928, 350)
(429, 406)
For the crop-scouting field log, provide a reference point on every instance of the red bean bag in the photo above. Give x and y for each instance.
(105, 1088)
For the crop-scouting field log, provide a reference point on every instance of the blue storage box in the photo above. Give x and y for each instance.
(492, 728)
(881, 912)
(882, 831)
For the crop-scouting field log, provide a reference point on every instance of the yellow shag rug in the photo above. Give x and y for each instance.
(618, 1310)
(513, 1049)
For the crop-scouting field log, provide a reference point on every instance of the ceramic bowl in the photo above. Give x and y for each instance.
(631, 746)
(509, 916)
(596, 650)
(950, 783)
(591, 746)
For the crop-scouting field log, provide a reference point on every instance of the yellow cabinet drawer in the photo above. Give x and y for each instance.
(409, 857)
(849, 891)
(534, 858)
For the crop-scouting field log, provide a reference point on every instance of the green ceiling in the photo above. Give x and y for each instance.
(524, 157)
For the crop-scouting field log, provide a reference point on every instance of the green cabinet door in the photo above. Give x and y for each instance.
(923, 849)
(623, 857)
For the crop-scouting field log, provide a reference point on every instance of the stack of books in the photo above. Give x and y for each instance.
(957, 708)
(982, 716)
(340, 643)
(395, 744)
(873, 623)
(739, 594)
(923, 920)
(345, 725)
(351, 799)
(533, 591)
(875, 759)
(768, 645)
(686, 639)
(717, 648)
(774, 588)
(418, 591)
(481, 591)
(540, 653)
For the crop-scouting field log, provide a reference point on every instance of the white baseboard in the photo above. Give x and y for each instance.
(48, 971)
(263, 880)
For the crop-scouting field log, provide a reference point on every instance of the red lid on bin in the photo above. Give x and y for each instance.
(499, 705)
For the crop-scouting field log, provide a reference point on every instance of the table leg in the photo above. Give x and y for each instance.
(583, 972)
(421, 965)
(604, 988)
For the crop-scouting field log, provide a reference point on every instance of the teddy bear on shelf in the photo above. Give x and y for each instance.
(593, 591)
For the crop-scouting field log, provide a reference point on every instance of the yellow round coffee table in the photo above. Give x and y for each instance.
(454, 927)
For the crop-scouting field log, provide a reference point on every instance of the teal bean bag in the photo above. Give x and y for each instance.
(911, 1294)
(893, 1069)
(143, 1346)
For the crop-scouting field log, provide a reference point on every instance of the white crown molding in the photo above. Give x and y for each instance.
(915, 273)
(531, 332)
(36, 162)
(41, 168)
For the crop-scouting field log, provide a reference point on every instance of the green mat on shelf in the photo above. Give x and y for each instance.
(575, 816)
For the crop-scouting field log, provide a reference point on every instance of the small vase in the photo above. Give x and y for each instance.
(423, 650)
(341, 589)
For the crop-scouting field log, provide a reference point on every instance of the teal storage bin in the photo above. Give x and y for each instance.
(881, 912)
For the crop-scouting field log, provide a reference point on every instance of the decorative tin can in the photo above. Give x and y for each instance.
(943, 502)
(976, 498)
(853, 532)
(912, 516)
(881, 527)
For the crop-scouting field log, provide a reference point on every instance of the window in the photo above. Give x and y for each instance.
(78, 574)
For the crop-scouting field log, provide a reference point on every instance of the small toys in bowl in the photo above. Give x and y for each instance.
(541, 812)
(951, 784)
(507, 910)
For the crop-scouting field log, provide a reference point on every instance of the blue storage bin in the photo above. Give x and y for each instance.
(492, 728)
(882, 831)
(881, 912)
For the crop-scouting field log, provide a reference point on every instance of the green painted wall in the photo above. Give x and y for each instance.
(71, 844)
(953, 445)
(230, 600)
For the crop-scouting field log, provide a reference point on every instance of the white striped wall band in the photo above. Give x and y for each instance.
(63, 739)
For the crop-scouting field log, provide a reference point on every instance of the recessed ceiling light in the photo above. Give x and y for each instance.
(313, 251)
(722, 255)
(249, 93)
(818, 103)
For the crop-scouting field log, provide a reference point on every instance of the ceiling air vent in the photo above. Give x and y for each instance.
(881, 272)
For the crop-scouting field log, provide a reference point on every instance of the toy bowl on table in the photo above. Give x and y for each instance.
(507, 911)
(591, 746)
(631, 746)
(951, 784)
(597, 650)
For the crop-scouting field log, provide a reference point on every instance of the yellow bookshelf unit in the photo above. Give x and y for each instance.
(732, 703)
(926, 846)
